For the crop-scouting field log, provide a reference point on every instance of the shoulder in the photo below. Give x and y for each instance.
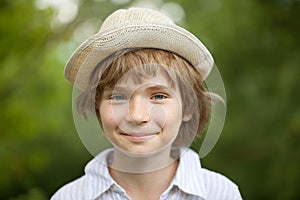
(95, 181)
(219, 187)
(84, 188)
(192, 178)
(72, 190)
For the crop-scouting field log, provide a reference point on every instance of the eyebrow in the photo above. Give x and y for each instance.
(125, 89)
(158, 87)
(116, 88)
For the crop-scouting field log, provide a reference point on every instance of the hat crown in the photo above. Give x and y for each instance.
(134, 16)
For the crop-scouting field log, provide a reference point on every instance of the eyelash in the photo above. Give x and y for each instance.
(161, 97)
(117, 97)
(120, 97)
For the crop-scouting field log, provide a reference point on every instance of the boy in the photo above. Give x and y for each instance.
(143, 77)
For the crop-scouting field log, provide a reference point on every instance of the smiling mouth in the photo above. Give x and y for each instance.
(142, 136)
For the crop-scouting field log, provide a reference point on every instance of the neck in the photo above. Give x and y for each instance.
(136, 164)
(144, 175)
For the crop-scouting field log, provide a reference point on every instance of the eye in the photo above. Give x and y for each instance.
(159, 97)
(117, 97)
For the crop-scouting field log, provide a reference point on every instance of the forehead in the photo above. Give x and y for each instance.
(151, 73)
(129, 85)
(140, 65)
(130, 82)
(128, 73)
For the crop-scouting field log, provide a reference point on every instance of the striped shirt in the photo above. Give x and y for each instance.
(191, 182)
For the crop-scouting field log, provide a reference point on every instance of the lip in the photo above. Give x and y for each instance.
(141, 136)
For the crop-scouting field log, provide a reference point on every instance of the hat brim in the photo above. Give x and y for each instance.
(166, 37)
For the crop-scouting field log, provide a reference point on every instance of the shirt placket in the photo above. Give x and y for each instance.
(119, 192)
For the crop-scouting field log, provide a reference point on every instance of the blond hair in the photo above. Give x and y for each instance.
(191, 86)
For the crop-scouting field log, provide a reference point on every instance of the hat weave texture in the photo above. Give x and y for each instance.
(135, 28)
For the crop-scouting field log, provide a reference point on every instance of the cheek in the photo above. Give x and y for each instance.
(170, 115)
(158, 115)
(106, 117)
(111, 116)
(174, 116)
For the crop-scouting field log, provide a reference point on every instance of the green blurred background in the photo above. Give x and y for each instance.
(255, 43)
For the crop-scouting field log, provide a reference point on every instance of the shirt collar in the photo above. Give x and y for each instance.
(97, 171)
(189, 177)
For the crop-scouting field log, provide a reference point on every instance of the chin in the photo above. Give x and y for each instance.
(142, 151)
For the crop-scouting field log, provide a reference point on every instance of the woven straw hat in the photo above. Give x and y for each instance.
(135, 28)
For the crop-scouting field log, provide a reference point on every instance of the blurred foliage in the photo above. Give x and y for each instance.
(255, 44)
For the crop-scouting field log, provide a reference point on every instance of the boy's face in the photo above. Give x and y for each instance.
(143, 117)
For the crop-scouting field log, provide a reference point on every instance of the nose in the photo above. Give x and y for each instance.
(138, 111)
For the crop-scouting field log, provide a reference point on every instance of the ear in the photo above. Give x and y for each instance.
(187, 117)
